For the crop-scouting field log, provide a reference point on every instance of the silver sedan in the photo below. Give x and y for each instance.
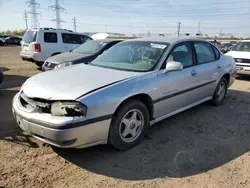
(130, 87)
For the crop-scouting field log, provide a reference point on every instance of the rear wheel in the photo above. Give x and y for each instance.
(220, 92)
(1, 43)
(129, 125)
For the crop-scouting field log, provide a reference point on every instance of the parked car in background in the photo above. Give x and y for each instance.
(226, 47)
(2, 40)
(84, 53)
(116, 97)
(13, 40)
(1, 76)
(40, 44)
(233, 42)
(241, 54)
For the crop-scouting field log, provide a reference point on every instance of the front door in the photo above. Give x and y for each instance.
(176, 88)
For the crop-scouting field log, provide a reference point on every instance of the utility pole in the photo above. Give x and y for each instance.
(74, 23)
(34, 19)
(199, 26)
(178, 29)
(26, 19)
(58, 9)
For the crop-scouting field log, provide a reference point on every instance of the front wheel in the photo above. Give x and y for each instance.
(129, 125)
(220, 92)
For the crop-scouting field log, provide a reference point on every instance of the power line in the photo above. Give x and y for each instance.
(74, 23)
(34, 19)
(58, 9)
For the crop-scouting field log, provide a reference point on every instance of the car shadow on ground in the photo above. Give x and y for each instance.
(9, 130)
(12, 81)
(243, 77)
(3, 69)
(192, 142)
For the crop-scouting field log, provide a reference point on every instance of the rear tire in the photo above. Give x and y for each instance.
(1, 43)
(129, 125)
(220, 92)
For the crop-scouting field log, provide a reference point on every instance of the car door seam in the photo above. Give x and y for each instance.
(182, 91)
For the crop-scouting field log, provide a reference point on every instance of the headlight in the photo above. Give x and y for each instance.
(68, 109)
(64, 65)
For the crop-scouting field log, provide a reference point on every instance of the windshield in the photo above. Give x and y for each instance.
(242, 46)
(29, 36)
(90, 47)
(139, 56)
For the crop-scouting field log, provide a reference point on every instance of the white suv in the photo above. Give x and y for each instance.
(241, 55)
(39, 44)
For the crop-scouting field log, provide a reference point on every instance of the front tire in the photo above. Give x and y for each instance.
(220, 92)
(129, 125)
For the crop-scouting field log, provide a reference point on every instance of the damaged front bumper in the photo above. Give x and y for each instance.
(65, 132)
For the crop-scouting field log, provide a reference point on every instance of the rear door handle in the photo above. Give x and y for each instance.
(193, 73)
(219, 67)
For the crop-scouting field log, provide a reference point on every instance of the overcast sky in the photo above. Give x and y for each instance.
(136, 16)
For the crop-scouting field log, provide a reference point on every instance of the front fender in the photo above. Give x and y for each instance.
(104, 101)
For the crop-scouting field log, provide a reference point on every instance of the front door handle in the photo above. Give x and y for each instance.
(193, 73)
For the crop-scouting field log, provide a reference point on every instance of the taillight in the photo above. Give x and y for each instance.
(37, 48)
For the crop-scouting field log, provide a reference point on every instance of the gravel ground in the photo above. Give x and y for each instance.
(203, 147)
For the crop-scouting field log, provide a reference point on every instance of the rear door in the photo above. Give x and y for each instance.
(208, 68)
(50, 45)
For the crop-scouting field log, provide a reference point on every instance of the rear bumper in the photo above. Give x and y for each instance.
(63, 132)
(33, 57)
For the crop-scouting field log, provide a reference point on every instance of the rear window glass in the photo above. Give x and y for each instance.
(90, 47)
(29, 36)
(74, 39)
(50, 37)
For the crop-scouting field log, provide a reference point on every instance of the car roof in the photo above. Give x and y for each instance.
(167, 39)
(109, 40)
(56, 30)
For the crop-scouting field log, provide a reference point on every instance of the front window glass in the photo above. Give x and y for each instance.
(139, 56)
(182, 53)
(242, 46)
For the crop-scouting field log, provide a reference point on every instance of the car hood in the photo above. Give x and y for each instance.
(240, 55)
(66, 57)
(72, 82)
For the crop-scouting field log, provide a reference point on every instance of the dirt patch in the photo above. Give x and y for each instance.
(203, 147)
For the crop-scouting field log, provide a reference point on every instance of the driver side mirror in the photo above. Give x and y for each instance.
(173, 66)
